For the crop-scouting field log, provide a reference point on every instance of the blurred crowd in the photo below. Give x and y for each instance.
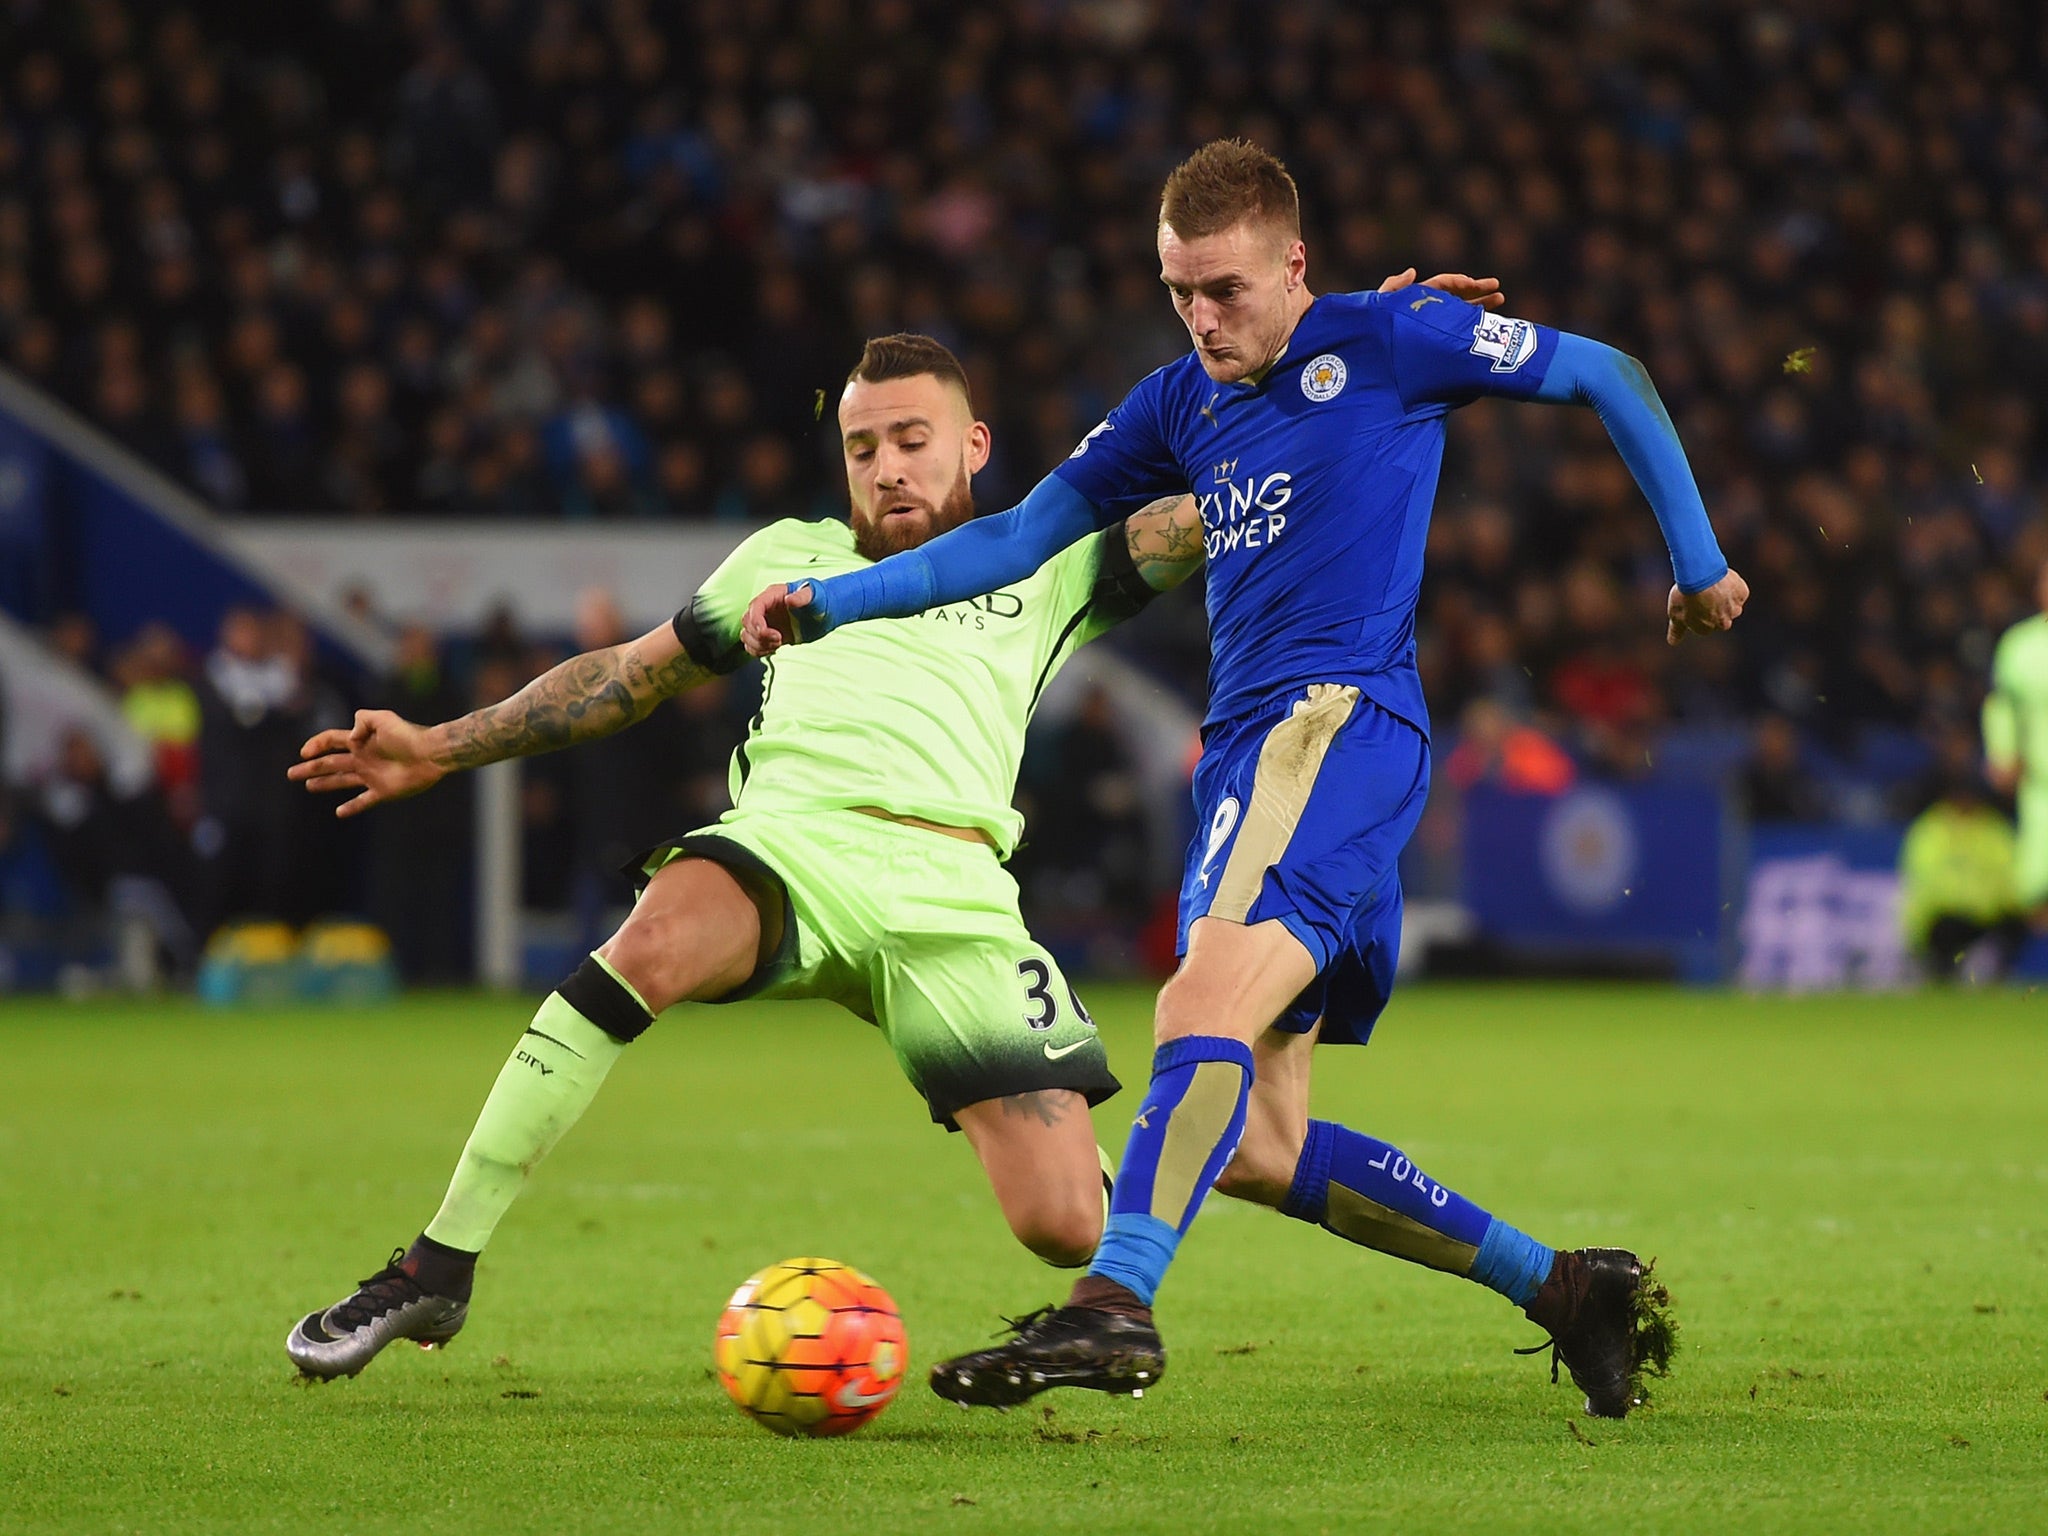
(207, 836)
(221, 835)
(598, 258)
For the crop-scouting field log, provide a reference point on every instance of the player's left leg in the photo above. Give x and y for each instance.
(1103, 1339)
(700, 929)
(1306, 804)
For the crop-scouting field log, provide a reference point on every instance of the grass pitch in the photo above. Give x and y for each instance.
(1848, 1196)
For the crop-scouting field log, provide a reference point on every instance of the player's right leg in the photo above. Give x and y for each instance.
(1038, 1149)
(700, 930)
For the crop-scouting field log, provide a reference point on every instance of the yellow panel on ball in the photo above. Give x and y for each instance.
(749, 1382)
(768, 1391)
(763, 1336)
(804, 1412)
(805, 1318)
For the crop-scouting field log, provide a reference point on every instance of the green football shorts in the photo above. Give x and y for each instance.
(919, 934)
(2030, 872)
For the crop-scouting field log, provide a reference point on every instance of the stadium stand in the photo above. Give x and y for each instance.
(545, 257)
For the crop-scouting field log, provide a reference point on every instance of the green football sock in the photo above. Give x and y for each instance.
(554, 1072)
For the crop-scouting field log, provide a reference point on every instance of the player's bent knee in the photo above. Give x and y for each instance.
(1199, 1001)
(1065, 1239)
(1187, 1006)
(1062, 1224)
(653, 969)
(694, 934)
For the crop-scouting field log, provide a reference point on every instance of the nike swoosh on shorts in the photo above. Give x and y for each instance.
(1065, 1050)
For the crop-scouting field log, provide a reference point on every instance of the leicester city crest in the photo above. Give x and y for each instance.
(1323, 378)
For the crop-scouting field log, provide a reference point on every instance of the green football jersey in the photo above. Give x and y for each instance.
(2016, 713)
(920, 716)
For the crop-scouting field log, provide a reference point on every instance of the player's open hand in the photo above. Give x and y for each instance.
(771, 621)
(1703, 612)
(382, 756)
(1483, 291)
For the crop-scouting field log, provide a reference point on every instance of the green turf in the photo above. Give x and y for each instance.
(1849, 1197)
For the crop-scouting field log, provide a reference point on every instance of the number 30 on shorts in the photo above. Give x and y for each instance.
(1044, 1009)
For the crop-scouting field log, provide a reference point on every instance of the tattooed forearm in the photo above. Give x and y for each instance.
(1165, 541)
(586, 697)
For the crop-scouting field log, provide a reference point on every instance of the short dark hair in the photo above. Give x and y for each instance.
(906, 355)
(1224, 183)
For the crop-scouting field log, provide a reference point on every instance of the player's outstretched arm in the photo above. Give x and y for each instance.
(977, 557)
(385, 757)
(1708, 595)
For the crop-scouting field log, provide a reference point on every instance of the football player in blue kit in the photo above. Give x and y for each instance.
(1311, 432)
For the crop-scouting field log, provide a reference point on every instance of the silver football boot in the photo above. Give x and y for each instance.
(389, 1306)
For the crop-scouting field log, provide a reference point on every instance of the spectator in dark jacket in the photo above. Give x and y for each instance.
(419, 862)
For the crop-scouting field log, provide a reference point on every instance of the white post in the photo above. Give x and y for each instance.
(497, 875)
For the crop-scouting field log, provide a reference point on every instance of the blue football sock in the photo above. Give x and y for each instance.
(1187, 1130)
(1362, 1189)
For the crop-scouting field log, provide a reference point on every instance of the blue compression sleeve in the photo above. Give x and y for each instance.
(977, 557)
(1616, 385)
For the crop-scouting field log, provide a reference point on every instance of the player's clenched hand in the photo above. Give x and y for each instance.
(771, 619)
(1483, 291)
(1703, 612)
(381, 755)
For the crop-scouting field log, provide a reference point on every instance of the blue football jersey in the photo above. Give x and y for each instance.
(1315, 484)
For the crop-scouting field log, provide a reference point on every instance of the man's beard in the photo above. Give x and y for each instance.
(872, 540)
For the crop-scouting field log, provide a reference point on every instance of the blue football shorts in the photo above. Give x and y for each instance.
(1302, 807)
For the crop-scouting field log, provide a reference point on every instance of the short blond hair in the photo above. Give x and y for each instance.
(1225, 183)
